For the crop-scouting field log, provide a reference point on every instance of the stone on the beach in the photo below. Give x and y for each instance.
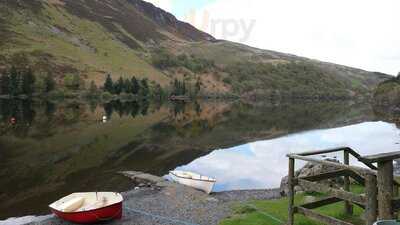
(141, 178)
(311, 169)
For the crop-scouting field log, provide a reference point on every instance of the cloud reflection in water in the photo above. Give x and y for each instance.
(262, 164)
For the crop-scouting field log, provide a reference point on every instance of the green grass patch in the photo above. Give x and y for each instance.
(275, 212)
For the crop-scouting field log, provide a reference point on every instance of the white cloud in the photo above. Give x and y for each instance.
(262, 164)
(359, 33)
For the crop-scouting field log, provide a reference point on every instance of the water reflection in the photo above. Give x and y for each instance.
(262, 164)
(18, 116)
(53, 149)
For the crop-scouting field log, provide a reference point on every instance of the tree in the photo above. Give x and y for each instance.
(28, 82)
(13, 84)
(4, 84)
(135, 86)
(93, 88)
(398, 76)
(128, 88)
(179, 88)
(72, 81)
(144, 88)
(198, 86)
(162, 59)
(49, 83)
(119, 86)
(175, 90)
(109, 84)
(158, 92)
(183, 91)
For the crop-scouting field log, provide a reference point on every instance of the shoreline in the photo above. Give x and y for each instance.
(156, 201)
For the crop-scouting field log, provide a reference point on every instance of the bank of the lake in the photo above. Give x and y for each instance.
(157, 201)
(161, 202)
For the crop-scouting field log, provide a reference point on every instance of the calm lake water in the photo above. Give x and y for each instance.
(48, 150)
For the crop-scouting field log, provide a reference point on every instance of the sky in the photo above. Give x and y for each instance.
(358, 33)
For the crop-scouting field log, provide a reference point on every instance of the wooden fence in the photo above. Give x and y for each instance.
(379, 201)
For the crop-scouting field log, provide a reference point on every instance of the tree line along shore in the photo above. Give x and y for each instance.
(25, 83)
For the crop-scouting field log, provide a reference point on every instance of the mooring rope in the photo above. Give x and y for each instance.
(265, 214)
(159, 217)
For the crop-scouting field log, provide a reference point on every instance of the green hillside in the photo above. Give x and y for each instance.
(128, 37)
(388, 93)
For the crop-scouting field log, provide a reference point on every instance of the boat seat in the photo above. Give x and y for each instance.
(72, 205)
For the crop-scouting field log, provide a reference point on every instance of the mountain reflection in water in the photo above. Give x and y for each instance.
(52, 149)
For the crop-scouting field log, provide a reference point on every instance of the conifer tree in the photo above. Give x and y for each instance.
(128, 86)
(49, 83)
(109, 84)
(183, 91)
(135, 86)
(198, 86)
(144, 87)
(119, 86)
(176, 87)
(13, 84)
(4, 84)
(28, 82)
(93, 88)
(158, 92)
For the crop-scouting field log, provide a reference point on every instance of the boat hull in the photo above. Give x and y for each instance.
(206, 186)
(93, 216)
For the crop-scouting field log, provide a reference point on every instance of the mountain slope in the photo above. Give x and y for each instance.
(124, 37)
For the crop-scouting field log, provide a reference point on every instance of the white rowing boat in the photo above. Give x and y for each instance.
(194, 180)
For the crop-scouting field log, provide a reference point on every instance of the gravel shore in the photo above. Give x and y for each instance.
(167, 203)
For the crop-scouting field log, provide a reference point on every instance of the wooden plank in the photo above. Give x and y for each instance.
(321, 188)
(337, 173)
(348, 207)
(357, 169)
(359, 179)
(321, 202)
(291, 191)
(385, 190)
(381, 157)
(319, 152)
(320, 218)
(395, 195)
(371, 192)
(360, 158)
(327, 175)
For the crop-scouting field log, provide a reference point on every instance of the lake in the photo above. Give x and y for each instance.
(48, 150)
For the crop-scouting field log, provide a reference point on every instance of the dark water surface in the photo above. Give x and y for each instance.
(48, 150)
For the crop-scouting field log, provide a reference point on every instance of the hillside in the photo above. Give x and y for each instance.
(387, 99)
(132, 37)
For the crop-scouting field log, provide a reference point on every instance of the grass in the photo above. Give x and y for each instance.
(275, 212)
(122, 47)
(82, 44)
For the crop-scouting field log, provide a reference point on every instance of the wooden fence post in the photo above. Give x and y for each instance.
(385, 189)
(291, 191)
(371, 192)
(395, 195)
(348, 207)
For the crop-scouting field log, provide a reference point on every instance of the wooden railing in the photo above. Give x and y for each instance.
(378, 201)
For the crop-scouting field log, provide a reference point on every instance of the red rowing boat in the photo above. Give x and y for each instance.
(91, 207)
